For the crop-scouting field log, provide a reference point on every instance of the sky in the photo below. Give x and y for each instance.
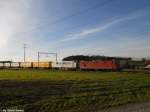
(74, 27)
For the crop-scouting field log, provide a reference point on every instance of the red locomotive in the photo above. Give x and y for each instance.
(98, 65)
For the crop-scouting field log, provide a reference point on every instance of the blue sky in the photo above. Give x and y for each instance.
(71, 27)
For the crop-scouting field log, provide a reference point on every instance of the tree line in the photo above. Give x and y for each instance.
(94, 57)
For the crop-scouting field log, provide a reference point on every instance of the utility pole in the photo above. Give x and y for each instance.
(24, 47)
(56, 56)
(38, 58)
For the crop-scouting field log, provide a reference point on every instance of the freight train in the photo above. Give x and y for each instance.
(112, 65)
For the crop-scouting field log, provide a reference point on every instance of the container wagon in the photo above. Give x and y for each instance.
(15, 65)
(26, 64)
(64, 65)
(56, 65)
(42, 64)
(147, 67)
(68, 65)
(1, 65)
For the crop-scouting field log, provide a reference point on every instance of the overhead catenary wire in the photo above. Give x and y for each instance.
(46, 53)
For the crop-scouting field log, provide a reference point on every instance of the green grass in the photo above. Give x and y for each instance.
(65, 75)
(71, 91)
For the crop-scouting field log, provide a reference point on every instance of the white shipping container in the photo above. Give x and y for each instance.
(1, 65)
(15, 64)
(68, 64)
(56, 65)
(64, 64)
(147, 67)
(7, 65)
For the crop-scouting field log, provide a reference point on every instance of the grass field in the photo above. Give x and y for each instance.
(70, 91)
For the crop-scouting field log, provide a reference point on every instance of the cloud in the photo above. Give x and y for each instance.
(86, 32)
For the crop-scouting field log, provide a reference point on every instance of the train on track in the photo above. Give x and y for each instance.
(112, 65)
